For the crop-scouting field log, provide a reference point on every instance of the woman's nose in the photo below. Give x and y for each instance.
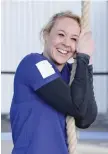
(67, 42)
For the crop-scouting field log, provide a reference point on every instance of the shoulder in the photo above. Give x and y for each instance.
(27, 63)
(30, 60)
(34, 64)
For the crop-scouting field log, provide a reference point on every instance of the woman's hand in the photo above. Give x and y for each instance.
(85, 43)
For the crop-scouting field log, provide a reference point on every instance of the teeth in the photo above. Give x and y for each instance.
(62, 51)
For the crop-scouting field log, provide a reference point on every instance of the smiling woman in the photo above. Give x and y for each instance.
(61, 36)
(42, 96)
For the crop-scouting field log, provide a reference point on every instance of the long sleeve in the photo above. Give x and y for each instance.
(91, 112)
(79, 85)
(69, 100)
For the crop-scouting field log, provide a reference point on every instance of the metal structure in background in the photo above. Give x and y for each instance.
(95, 73)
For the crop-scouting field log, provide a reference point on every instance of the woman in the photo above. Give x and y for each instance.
(42, 96)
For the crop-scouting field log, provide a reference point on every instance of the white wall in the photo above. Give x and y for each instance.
(20, 27)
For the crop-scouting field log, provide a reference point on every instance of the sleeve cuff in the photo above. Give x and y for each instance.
(84, 57)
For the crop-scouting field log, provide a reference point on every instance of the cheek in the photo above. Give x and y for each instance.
(50, 44)
(55, 41)
(74, 46)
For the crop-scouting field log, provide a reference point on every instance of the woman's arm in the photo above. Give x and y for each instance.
(91, 112)
(65, 99)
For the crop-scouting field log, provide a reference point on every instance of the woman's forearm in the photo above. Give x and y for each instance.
(92, 110)
(79, 85)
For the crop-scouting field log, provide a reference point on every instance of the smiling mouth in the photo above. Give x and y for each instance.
(63, 52)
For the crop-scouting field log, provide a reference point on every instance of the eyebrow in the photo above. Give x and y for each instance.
(72, 35)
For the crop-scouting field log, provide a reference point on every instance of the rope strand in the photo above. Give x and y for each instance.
(70, 121)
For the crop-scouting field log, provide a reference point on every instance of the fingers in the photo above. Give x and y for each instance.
(87, 33)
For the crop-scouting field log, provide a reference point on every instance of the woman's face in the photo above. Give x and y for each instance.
(60, 43)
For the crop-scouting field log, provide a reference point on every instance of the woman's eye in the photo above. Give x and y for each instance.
(74, 39)
(61, 34)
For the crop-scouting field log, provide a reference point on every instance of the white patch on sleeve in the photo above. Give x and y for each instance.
(45, 68)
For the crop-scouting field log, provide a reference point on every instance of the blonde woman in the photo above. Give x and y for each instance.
(42, 96)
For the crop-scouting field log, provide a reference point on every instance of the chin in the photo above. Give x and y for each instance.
(60, 62)
(59, 59)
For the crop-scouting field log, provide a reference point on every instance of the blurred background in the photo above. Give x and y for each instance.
(21, 23)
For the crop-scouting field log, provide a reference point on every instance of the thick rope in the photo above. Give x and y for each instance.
(70, 122)
(85, 18)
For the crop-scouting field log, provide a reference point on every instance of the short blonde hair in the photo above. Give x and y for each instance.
(56, 16)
